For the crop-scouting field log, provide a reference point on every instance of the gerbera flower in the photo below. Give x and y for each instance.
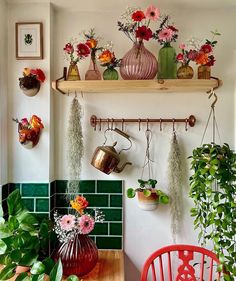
(69, 49)
(39, 74)
(67, 222)
(180, 57)
(79, 204)
(143, 33)
(83, 50)
(86, 224)
(201, 58)
(152, 13)
(138, 16)
(166, 34)
(91, 43)
(206, 48)
(106, 57)
(36, 122)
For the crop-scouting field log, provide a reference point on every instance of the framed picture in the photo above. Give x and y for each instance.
(29, 40)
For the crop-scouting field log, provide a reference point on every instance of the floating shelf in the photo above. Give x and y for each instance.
(141, 86)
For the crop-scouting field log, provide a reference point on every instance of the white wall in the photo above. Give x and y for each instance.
(3, 92)
(29, 165)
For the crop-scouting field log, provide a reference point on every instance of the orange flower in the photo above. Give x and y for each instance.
(91, 43)
(202, 58)
(26, 71)
(79, 204)
(106, 57)
(35, 123)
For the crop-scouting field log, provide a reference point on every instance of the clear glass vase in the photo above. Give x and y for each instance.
(138, 63)
(110, 74)
(73, 72)
(167, 62)
(185, 71)
(204, 72)
(93, 72)
(78, 256)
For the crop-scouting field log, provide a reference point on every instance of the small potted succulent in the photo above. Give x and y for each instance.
(31, 80)
(148, 195)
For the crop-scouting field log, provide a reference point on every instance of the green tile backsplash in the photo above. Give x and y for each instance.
(44, 198)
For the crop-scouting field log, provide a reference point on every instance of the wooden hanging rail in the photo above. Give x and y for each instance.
(94, 121)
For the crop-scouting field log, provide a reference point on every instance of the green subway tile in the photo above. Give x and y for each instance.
(109, 242)
(35, 190)
(41, 217)
(115, 200)
(52, 188)
(61, 186)
(42, 205)
(87, 186)
(5, 191)
(109, 186)
(115, 228)
(52, 202)
(13, 186)
(61, 201)
(97, 200)
(92, 237)
(112, 214)
(29, 204)
(62, 211)
(100, 229)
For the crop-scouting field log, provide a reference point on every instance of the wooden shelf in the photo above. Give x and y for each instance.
(104, 86)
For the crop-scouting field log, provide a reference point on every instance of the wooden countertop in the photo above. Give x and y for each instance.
(110, 267)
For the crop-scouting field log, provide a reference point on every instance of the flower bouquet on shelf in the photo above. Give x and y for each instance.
(29, 131)
(77, 250)
(30, 82)
(205, 58)
(166, 34)
(138, 63)
(75, 52)
(108, 59)
(185, 71)
(93, 72)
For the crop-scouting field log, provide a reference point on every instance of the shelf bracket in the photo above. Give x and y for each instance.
(61, 78)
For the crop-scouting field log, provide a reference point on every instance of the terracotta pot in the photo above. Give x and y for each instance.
(148, 203)
(20, 269)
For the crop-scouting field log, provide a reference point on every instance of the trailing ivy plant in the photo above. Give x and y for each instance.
(214, 193)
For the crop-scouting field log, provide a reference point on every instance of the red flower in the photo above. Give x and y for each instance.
(39, 74)
(211, 61)
(138, 16)
(206, 48)
(69, 49)
(83, 50)
(180, 57)
(143, 33)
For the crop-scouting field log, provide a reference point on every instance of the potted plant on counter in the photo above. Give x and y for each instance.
(148, 195)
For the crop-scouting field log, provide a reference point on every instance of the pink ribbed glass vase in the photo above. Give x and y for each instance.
(78, 256)
(138, 63)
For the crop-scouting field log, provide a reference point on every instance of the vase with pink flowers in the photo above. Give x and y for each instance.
(77, 251)
(166, 34)
(138, 62)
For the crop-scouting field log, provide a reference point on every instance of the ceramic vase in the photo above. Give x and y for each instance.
(167, 62)
(204, 72)
(185, 71)
(93, 72)
(110, 74)
(147, 203)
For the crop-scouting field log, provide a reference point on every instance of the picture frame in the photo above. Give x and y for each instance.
(29, 40)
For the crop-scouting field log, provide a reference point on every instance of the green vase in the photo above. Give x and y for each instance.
(167, 65)
(110, 74)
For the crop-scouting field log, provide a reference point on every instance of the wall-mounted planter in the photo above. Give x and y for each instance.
(147, 203)
(32, 91)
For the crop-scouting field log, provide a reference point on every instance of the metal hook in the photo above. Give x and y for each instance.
(186, 124)
(212, 93)
(112, 121)
(147, 124)
(160, 124)
(122, 124)
(100, 124)
(139, 124)
(108, 124)
(173, 123)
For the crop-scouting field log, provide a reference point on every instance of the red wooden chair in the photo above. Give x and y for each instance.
(181, 263)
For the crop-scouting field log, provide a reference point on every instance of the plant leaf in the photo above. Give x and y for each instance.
(130, 193)
(56, 273)
(28, 258)
(49, 264)
(72, 278)
(22, 277)
(3, 247)
(147, 192)
(8, 272)
(37, 268)
(15, 203)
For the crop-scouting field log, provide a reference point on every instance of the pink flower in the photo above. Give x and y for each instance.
(192, 54)
(69, 49)
(67, 222)
(152, 13)
(182, 46)
(180, 57)
(86, 224)
(166, 34)
(24, 122)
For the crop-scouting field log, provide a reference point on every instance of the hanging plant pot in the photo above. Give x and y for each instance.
(148, 203)
(29, 138)
(29, 85)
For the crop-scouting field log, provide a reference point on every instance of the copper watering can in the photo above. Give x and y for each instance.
(105, 157)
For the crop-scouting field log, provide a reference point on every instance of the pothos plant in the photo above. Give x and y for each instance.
(147, 187)
(213, 191)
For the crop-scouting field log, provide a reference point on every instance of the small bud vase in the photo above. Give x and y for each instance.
(138, 63)
(110, 74)
(185, 71)
(93, 72)
(167, 62)
(73, 72)
(204, 72)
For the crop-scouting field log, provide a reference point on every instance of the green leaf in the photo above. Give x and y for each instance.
(8, 272)
(130, 193)
(28, 222)
(37, 268)
(4, 231)
(56, 273)
(15, 255)
(28, 258)
(147, 192)
(1, 211)
(164, 199)
(72, 278)
(15, 203)
(3, 247)
(5, 259)
(37, 277)
(13, 223)
(22, 277)
(49, 264)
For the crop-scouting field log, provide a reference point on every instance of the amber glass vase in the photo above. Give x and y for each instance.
(78, 256)
(138, 63)
(185, 71)
(73, 72)
(204, 72)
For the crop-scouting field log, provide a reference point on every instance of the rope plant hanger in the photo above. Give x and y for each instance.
(213, 192)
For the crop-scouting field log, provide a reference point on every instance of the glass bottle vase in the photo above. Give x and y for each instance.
(167, 62)
(73, 72)
(93, 72)
(110, 74)
(185, 71)
(138, 63)
(204, 72)
(78, 256)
